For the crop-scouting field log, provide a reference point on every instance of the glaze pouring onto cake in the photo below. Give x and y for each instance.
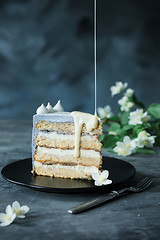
(91, 122)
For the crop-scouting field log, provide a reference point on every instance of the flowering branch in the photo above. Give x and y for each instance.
(135, 128)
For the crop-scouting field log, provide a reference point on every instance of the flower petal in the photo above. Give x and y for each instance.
(126, 139)
(98, 183)
(24, 209)
(2, 217)
(105, 174)
(6, 223)
(20, 216)
(13, 217)
(107, 181)
(15, 205)
(9, 210)
(95, 175)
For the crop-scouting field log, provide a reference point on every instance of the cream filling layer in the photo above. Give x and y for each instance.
(78, 168)
(68, 152)
(63, 137)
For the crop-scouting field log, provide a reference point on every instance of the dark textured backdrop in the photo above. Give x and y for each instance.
(46, 53)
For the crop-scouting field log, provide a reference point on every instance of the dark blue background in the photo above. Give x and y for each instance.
(46, 53)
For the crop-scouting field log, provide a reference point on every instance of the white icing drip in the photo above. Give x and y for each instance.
(42, 110)
(80, 118)
(50, 108)
(58, 107)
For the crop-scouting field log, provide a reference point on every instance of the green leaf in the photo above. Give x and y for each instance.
(124, 117)
(128, 127)
(110, 151)
(114, 127)
(121, 132)
(136, 102)
(146, 125)
(101, 137)
(155, 127)
(110, 141)
(154, 110)
(145, 151)
(157, 141)
(137, 129)
(113, 119)
(106, 122)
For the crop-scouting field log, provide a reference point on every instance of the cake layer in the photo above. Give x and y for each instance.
(66, 127)
(58, 170)
(63, 141)
(87, 157)
(55, 140)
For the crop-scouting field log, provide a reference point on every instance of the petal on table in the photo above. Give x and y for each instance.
(2, 217)
(106, 182)
(9, 210)
(16, 205)
(24, 209)
(20, 216)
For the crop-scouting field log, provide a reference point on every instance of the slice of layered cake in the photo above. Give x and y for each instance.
(66, 144)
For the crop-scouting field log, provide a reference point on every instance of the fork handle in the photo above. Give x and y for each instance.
(102, 199)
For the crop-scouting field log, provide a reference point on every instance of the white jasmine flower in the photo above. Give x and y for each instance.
(129, 92)
(8, 217)
(105, 112)
(146, 117)
(138, 117)
(125, 148)
(19, 210)
(144, 139)
(119, 87)
(101, 178)
(125, 104)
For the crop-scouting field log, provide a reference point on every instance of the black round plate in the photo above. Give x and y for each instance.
(19, 172)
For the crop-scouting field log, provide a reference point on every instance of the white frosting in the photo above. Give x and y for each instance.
(42, 110)
(50, 108)
(58, 107)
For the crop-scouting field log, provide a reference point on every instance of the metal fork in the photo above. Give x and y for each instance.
(141, 186)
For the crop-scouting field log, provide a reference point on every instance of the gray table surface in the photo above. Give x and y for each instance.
(136, 216)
